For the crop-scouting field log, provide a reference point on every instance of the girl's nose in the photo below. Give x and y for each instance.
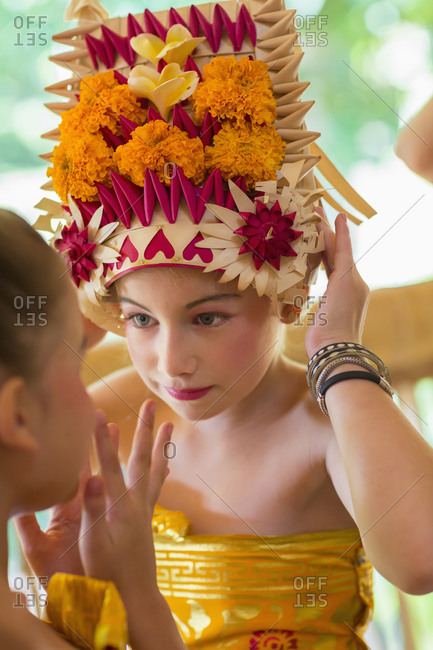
(176, 354)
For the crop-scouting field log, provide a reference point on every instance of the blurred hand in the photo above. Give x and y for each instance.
(116, 540)
(55, 549)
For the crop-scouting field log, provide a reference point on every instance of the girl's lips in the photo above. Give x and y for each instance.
(194, 393)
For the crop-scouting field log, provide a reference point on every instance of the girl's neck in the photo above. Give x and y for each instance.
(263, 404)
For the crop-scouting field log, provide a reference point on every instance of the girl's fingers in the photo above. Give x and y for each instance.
(115, 435)
(343, 245)
(85, 474)
(140, 458)
(328, 255)
(108, 460)
(29, 532)
(93, 523)
(162, 451)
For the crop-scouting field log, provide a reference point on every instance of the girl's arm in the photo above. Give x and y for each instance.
(379, 463)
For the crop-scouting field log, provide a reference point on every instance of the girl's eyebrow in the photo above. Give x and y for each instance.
(190, 305)
(215, 297)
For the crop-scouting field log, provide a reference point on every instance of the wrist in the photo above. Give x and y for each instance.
(331, 341)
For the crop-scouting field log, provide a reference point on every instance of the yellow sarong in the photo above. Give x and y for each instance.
(243, 592)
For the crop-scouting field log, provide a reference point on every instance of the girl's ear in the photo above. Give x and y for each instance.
(288, 313)
(15, 421)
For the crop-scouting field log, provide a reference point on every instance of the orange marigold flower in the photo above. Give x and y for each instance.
(78, 164)
(73, 122)
(254, 154)
(104, 110)
(155, 144)
(236, 90)
(91, 86)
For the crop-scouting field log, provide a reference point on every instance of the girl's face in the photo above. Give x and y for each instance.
(201, 346)
(62, 416)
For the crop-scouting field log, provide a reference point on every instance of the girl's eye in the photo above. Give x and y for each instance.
(208, 319)
(139, 320)
(212, 319)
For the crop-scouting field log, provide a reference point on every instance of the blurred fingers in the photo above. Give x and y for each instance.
(93, 533)
(29, 532)
(108, 458)
(141, 453)
(163, 450)
(343, 258)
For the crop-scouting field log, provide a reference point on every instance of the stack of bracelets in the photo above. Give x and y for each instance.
(336, 354)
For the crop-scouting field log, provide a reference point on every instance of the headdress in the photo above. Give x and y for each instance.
(183, 143)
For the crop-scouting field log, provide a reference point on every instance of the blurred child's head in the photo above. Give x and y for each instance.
(187, 331)
(46, 416)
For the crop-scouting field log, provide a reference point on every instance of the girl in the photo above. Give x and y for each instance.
(258, 470)
(182, 236)
(46, 420)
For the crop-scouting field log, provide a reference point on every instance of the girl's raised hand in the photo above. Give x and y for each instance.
(342, 309)
(116, 541)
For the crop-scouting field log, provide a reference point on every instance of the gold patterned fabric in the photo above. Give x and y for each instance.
(243, 592)
(87, 612)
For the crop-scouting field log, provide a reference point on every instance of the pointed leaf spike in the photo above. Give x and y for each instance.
(134, 27)
(120, 78)
(92, 50)
(217, 27)
(188, 192)
(149, 198)
(108, 198)
(229, 26)
(206, 27)
(207, 130)
(153, 25)
(204, 196)
(175, 192)
(174, 18)
(194, 26)
(128, 126)
(182, 120)
(98, 48)
(153, 115)
(250, 26)
(190, 64)
(161, 194)
(87, 209)
(125, 209)
(112, 140)
(218, 187)
(133, 195)
(119, 43)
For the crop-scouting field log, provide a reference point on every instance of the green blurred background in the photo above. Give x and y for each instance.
(370, 65)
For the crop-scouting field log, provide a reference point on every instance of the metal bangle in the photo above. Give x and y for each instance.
(318, 369)
(338, 362)
(335, 349)
(338, 351)
(382, 383)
